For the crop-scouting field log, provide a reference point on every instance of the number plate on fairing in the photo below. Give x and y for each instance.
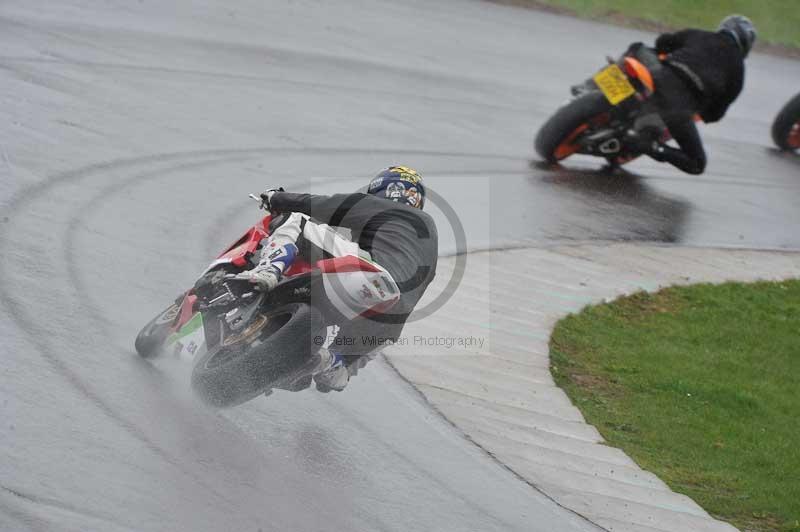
(613, 83)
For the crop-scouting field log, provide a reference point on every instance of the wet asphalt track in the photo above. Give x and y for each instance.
(131, 134)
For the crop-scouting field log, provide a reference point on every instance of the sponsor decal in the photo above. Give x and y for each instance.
(302, 291)
(365, 292)
(380, 290)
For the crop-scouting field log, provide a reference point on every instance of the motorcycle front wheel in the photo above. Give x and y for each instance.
(151, 338)
(786, 127)
(245, 364)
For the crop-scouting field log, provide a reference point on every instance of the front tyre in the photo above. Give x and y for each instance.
(558, 137)
(786, 128)
(151, 338)
(273, 345)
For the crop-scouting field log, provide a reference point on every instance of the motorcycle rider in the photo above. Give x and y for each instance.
(702, 73)
(399, 239)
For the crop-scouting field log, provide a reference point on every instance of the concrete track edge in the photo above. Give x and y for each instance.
(482, 362)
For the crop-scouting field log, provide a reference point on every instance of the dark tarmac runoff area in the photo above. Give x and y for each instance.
(131, 134)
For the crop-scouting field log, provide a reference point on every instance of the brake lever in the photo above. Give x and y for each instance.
(261, 203)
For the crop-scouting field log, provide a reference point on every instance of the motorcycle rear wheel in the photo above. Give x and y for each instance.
(786, 127)
(556, 138)
(274, 345)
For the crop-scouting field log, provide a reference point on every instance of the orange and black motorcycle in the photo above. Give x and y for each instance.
(604, 109)
(786, 127)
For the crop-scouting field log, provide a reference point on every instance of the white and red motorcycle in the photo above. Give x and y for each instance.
(242, 341)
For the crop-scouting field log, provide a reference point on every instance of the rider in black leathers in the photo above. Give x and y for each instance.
(703, 74)
(398, 237)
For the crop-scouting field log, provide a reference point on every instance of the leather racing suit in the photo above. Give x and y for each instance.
(702, 73)
(400, 240)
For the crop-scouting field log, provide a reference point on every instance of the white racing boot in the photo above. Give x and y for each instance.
(331, 374)
(327, 369)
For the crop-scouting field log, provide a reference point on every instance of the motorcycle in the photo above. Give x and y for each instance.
(786, 127)
(243, 342)
(602, 111)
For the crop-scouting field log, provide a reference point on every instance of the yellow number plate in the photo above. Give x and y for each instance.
(613, 83)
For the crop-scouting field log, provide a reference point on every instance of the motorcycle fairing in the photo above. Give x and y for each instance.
(373, 289)
(189, 340)
(358, 287)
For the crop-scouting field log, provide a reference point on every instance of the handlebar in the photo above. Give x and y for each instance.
(232, 277)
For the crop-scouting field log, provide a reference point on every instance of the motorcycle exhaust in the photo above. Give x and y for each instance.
(610, 146)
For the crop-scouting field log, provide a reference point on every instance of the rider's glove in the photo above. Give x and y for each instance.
(266, 197)
(264, 276)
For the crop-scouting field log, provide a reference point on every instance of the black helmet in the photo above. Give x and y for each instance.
(741, 29)
(400, 184)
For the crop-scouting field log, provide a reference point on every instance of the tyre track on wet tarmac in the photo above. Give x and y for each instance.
(5, 62)
(273, 54)
(37, 333)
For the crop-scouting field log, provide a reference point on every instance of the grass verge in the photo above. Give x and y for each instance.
(701, 386)
(778, 21)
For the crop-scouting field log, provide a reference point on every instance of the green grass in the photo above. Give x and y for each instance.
(701, 386)
(778, 21)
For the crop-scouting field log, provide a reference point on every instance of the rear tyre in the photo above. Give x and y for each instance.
(274, 345)
(151, 338)
(786, 127)
(556, 138)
